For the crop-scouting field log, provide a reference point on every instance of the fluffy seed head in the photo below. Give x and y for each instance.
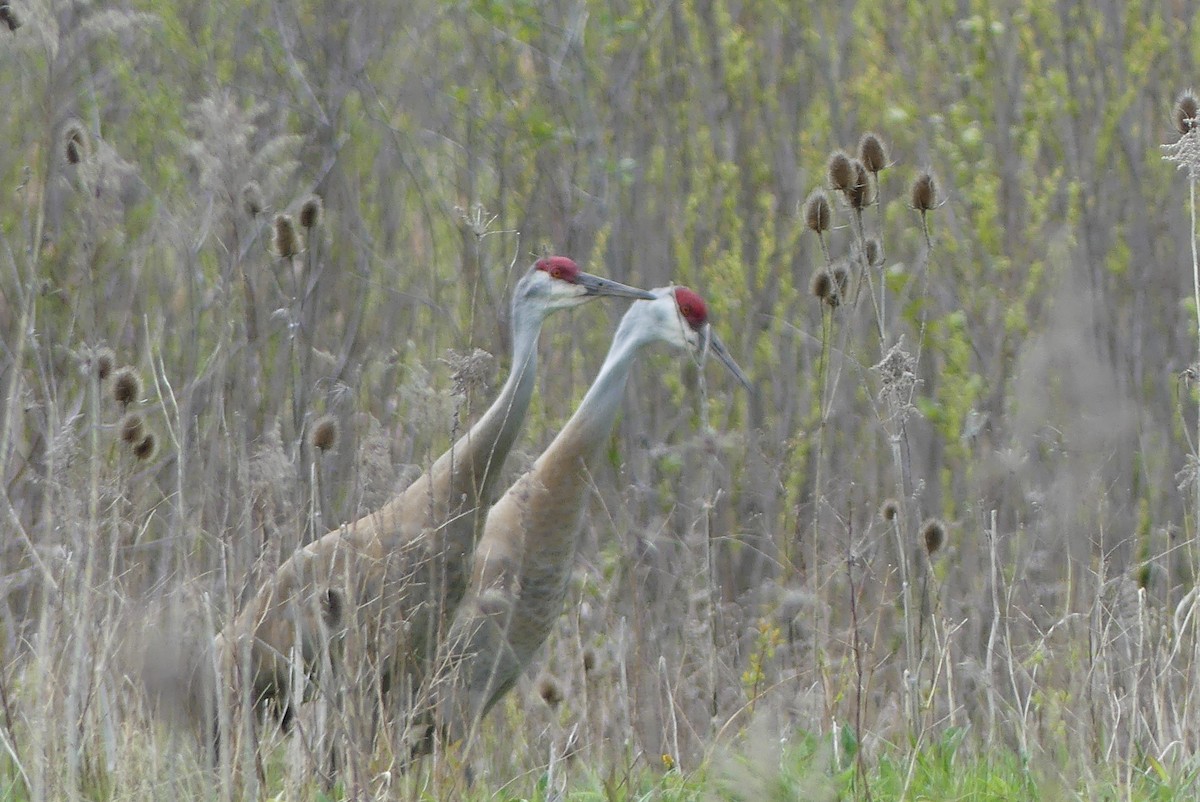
(550, 692)
(126, 386)
(131, 428)
(324, 434)
(8, 16)
(872, 153)
(858, 194)
(816, 211)
(889, 510)
(285, 242)
(75, 143)
(145, 448)
(840, 173)
(1186, 109)
(310, 212)
(924, 193)
(252, 198)
(822, 284)
(933, 533)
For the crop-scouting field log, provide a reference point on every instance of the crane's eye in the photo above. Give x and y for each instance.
(556, 272)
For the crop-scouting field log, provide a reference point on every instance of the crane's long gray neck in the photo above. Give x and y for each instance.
(593, 420)
(486, 445)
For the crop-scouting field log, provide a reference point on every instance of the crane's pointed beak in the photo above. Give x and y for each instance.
(717, 347)
(603, 286)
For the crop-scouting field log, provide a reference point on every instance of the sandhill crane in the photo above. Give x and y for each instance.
(390, 574)
(524, 558)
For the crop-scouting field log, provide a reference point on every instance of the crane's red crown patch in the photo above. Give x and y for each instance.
(691, 306)
(559, 267)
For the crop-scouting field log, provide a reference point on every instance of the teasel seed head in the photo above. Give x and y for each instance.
(126, 386)
(132, 428)
(840, 173)
(841, 282)
(589, 660)
(816, 211)
(933, 533)
(551, 694)
(924, 193)
(889, 510)
(859, 194)
(324, 433)
(252, 198)
(75, 143)
(310, 212)
(9, 16)
(144, 450)
(872, 153)
(821, 285)
(285, 241)
(1186, 110)
(102, 361)
(873, 252)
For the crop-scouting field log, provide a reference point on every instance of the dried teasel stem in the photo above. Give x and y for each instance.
(924, 200)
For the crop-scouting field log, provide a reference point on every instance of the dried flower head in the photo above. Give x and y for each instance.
(859, 193)
(873, 252)
(75, 143)
(1186, 110)
(889, 510)
(252, 198)
(310, 212)
(550, 692)
(9, 17)
(99, 362)
(924, 193)
(589, 660)
(324, 433)
(816, 211)
(872, 153)
(126, 386)
(822, 284)
(841, 280)
(132, 428)
(144, 450)
(933, 534)
(285, 242)
(840, 173)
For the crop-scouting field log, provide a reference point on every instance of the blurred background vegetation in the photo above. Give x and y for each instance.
(653, 142)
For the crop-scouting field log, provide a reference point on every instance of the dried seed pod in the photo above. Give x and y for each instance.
(924, 193)
(126, 386)
(324, 433)
(816, 211)
(102, 361)
(933, 534)
(9, 16)
(551, 694)
(310, 212)
(859, 193)
(252, 198)
(840, 173)
(75, 143)
(821, 285)
(132, 428)
(872, 153)
(144, 450)
(841, 281)
(1186, 109)
(873, 252)
(889, 510)
(285, 242)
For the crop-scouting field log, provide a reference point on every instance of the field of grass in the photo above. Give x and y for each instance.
(944, 549)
